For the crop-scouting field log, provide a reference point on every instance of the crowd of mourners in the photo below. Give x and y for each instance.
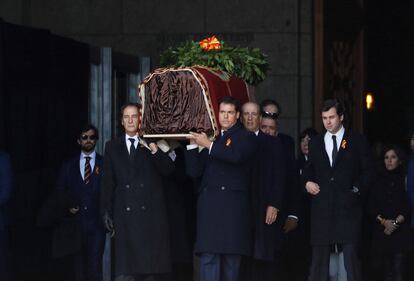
(246, 205)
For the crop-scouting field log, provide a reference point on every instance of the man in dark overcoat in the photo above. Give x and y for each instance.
(79, 181)
(224, 226)
(339, 170)
(133, 204)
(5, 194)
(268, 180)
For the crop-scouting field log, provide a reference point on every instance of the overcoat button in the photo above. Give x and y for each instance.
(128, 209)
(143, 208)
(332, 179)
(223, 188)
(127, 186)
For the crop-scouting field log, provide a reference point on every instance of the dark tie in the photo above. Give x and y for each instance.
(88, 170)
(334, 150)
(132, 149)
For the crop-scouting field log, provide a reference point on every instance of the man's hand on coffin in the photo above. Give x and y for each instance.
(200, 139)
(154, 147)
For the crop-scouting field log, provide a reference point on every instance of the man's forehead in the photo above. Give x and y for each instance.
(227, 107)
(251, 107)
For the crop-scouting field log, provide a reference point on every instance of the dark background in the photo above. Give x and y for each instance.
(389, 53)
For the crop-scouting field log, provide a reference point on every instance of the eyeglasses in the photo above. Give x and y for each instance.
(272, 115)
(91, 137)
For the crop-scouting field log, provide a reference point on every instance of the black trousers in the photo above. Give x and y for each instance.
(319, 270)
(395, 266)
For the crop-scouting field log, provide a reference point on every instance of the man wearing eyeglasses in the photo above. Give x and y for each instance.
(133, 203)
(79, 181)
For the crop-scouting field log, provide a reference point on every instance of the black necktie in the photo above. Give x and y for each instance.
(131, 148)
(334, 150)
(88, 170)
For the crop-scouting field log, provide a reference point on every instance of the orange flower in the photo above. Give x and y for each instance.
(343, 144)
(228, 142)
(211, 43)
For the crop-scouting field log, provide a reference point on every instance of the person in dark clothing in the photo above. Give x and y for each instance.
(73, 209)
(268, 179)
(339, 171)
(133, 204)
(5, 193)
(389, 208)
(224, 224)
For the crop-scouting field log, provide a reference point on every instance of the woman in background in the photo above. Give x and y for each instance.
(390, 210)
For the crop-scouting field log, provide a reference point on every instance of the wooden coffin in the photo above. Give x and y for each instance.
(175, 101)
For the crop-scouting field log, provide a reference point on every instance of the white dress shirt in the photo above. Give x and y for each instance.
(82, 162)
(329, 142)
(128, 142)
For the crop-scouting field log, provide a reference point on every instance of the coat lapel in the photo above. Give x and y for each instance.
(342, 147)
(324, 152)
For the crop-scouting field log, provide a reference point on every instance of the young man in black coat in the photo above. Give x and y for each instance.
(224, 230)
(339, 170)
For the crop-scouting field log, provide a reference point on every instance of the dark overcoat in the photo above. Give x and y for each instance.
(389, 198)
(336, 211)
(132, 192)
(268, 184)
(224, 216)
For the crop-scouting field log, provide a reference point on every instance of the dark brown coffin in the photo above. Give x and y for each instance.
(176, 101)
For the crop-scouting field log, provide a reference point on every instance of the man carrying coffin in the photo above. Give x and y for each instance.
(224, 209)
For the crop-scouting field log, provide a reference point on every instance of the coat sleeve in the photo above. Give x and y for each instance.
(163, 163)
(5, 179)
(107, 181)
(275, 175)
(237, 153)
(195, 162)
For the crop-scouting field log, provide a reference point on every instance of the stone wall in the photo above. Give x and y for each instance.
(281, 28)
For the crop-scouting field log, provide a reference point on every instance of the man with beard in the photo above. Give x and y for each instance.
(267, 193)
(79, 187)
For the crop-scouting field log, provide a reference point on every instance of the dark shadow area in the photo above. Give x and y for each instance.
(389, 53)
(43, 103)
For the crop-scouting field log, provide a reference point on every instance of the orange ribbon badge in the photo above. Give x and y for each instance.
(228, 142)
(97, 170)
(343, 144)
(211, 43)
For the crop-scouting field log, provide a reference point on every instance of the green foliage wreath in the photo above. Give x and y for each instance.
(249, 64)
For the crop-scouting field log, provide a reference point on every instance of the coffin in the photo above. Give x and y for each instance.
(175, 101)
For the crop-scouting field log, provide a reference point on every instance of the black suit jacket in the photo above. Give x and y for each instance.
(336, 210)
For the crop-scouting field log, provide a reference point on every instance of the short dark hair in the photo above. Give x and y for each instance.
(270, 102)
(230, 100)
(310, 132)
(88, 127)
(333, 103)
(135, 104)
